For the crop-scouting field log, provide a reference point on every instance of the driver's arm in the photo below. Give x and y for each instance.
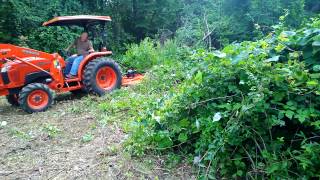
(71, 46)
(91, 49)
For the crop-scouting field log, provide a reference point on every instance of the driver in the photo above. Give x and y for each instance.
(84, 47)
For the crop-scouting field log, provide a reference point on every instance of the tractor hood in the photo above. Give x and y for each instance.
(81, 20)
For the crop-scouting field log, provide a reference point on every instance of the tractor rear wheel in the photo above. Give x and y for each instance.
(13, 99)
(36, 97)
(101, 76)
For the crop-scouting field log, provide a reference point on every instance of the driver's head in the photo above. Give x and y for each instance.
(84, 36)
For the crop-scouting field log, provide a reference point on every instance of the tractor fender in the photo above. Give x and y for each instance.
(91, 57)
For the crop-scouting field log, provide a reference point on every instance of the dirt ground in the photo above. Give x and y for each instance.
(67, 142)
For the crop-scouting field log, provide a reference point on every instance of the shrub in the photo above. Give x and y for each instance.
(251, 110)
(142, 57)
(49, 39)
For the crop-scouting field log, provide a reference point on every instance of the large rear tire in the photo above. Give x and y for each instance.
(102, 76)
(36, 97)
(13, 99)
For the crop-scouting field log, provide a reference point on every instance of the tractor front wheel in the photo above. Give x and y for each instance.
(36, 97)
(102, 76)
(13, 99)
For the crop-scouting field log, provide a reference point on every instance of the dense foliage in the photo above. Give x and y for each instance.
(210, 23)
(21, 20)
(250, 110)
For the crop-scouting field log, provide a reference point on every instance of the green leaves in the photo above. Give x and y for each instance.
(242, 56)
(279, 96)
(302, 115)
(289, 114)
(219, 54)
(183, 137)
(87, 137)
(273, 59)
(141, 57)
(316, 68)
(199, 78)
(288, 34)
(316, 43)
(312, 83)
(184, 123)
(163, 140)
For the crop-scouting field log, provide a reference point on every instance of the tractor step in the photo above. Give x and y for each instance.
(72, 84)
(72, 80)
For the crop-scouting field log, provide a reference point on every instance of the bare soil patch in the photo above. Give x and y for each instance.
(67, 142)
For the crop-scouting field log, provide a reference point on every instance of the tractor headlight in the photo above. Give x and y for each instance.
(5, 69)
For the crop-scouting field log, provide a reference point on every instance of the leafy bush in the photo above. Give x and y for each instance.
(140, 56)
(147, 54)
(51, 39)
(251, 110)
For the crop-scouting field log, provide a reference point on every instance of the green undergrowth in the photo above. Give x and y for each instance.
(170, 68)
(142, 57)
(250, 110)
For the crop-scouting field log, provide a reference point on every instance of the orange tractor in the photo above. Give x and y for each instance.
(29, 77)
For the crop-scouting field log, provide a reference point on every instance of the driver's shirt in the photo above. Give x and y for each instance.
(82, 46)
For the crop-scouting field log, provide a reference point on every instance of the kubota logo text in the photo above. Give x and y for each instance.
(30, 52)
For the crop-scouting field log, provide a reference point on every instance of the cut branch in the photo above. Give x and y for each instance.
(193, 105)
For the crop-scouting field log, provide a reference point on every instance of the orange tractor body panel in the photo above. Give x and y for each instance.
(19, 65)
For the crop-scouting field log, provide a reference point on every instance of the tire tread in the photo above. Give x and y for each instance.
(23, 96)
(90, 72)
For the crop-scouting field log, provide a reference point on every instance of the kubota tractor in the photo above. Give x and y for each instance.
(29, 77)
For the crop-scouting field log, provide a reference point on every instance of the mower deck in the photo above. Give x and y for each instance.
(129, 81)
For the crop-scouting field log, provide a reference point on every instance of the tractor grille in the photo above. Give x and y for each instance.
(5, 78)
